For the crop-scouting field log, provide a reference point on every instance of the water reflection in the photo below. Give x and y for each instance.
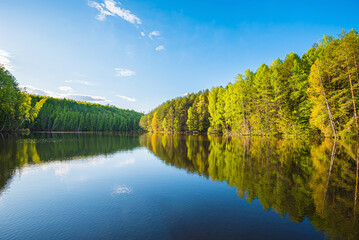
(311, 179)
(302, 178)
(19, 151)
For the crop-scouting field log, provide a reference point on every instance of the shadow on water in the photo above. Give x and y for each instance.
(299, 178)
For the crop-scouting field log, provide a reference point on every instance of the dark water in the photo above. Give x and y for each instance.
(87, 186)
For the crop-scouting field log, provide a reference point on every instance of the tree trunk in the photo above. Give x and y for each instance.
(356, 69)
(243, 117)
(353, 97)
(4, 124)
(327, 103)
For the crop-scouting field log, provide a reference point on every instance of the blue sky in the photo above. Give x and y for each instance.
(136, 54)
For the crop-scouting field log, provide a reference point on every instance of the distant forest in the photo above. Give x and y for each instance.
(315, 94)
(70, 115)
(19, 110)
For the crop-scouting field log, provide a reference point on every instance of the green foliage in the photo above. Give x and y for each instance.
(20, 110)
(15, 106)
(70, 115)
(315, 93)
(333, 86)
(183, 114)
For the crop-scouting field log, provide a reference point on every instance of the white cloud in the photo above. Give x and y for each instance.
(142, 34)
(37, 91)
(109, 8)
(103, 12)
(123, 72)
(66, 89)
(127, 98)
(5, 60)
(160, 48)
(86, 98)
(126, 162)
(154, 33)
(78, 97)
(85, 83)
(80, 82)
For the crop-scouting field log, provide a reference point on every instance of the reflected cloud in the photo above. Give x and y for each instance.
(62, 171)
(125, 163)
(122, 189)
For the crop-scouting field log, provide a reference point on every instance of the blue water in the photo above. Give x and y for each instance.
(132, 194)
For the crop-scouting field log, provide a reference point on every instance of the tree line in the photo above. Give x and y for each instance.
(70, 115)
(19, 110)
(316, 93)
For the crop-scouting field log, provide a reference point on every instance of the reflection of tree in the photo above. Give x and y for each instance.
(16, 152)
(300, 178)
(356, 185)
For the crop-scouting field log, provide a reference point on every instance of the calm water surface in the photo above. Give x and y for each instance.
(88, 186)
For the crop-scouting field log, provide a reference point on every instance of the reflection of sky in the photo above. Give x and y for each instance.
(62, 168)
(129, 195)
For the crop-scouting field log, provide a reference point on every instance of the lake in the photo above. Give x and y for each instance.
(112, 186)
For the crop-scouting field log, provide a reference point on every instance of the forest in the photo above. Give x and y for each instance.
(312, 94)
(70, 115)
(20, 110)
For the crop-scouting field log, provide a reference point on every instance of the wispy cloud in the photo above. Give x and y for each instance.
(154, 33)
(143, 34)
(73, 96)
(37, 91)
(127, 98)
(80, 82)
(66, 89)
(110, 8)
(123, 72)
(87, 98)
(5, 60)
(160, 48)
(125, 162)
(100, 7)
